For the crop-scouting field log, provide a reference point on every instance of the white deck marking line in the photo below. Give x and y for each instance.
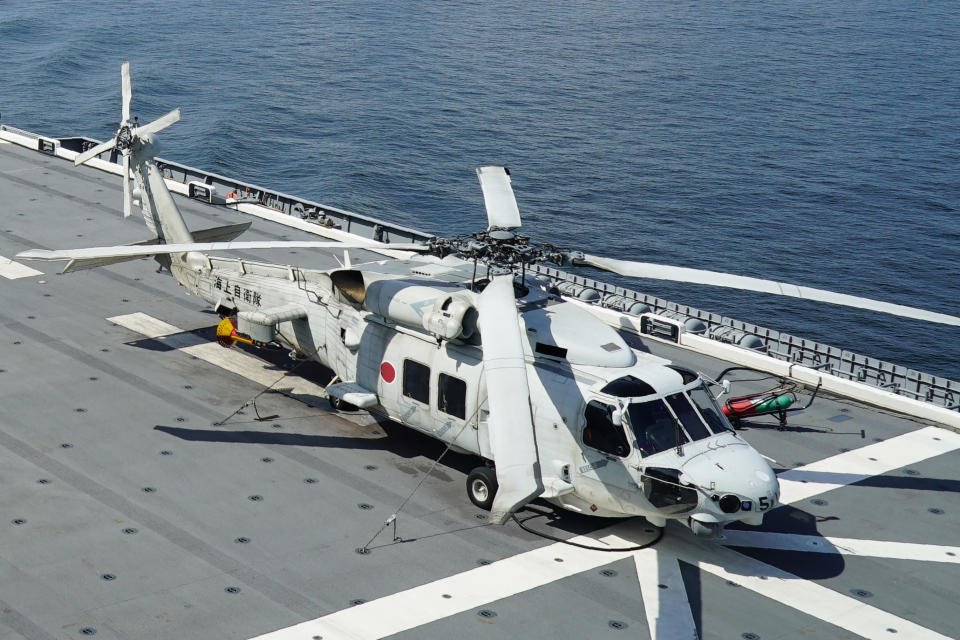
(233, 360)
(872, 460)
(808, 596)
(803, 595)
(425, 604)
(844, 546)
(668, 610)
(12, 270)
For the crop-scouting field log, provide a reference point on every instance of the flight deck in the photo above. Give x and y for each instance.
(157, 485)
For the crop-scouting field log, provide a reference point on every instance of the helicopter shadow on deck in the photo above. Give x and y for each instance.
(398, 439)
(826, 561)
(888, 481)
(771, 423)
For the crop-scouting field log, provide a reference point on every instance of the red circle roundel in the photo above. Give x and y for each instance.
(387, 372)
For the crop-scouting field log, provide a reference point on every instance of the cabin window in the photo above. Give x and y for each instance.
(416, 381)
(452, 396)
(655, 427)
(601, 433)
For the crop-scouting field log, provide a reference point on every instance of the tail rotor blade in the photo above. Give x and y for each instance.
(502, 212)
(127, 191)
(97, 150)
(510, 426)
(160, 123)
(745, 283)
(126, 91)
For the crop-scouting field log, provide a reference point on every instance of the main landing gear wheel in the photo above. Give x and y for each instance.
(482, 487)
(338, 404)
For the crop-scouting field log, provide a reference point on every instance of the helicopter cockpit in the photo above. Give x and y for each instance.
(687, 457)
(675, 420)
(656, 424)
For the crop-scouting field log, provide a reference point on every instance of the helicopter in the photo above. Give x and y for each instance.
(458, 341)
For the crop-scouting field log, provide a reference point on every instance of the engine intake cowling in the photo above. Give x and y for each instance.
(446, 313)
(452, 316)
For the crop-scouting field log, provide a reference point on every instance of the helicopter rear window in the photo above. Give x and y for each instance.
(714, 417)
(688, 416)
(654, 427)
(628, 387)
(452, 396)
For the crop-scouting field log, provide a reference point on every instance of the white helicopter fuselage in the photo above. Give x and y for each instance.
(591, 459)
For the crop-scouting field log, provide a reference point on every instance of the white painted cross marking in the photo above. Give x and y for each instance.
(843, 546)
(809, 597)
(422, 605)
(873, 460)
(12, 270)
(668, 609)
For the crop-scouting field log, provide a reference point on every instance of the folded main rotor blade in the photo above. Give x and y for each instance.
(95, 151)
(160, 123)
(502, 212)
(127, 191)
(125, 90)
(509, 425)
(719, 279)
(149, 250)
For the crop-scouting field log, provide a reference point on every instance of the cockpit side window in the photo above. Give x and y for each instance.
(688, 416)
(601, 433)
(654, 427)
(709, 410)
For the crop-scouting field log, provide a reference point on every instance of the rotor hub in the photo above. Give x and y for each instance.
(497, 248)
(125, 137)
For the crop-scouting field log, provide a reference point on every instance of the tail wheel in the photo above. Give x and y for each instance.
(482, 487)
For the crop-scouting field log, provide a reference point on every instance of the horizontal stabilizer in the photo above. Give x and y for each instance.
(220, 234)
(141, 251)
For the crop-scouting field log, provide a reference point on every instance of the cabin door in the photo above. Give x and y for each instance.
(404, 382)
(454, 399)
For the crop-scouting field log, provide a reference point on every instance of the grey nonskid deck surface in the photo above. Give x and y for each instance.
(126, 513)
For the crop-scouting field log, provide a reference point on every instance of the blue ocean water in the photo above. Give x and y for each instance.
(810, 142)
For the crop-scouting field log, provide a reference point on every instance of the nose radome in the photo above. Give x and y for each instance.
(735, 469)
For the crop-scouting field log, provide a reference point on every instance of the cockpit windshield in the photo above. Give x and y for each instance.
(688, 417)
(654, 427)
(705, 402)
